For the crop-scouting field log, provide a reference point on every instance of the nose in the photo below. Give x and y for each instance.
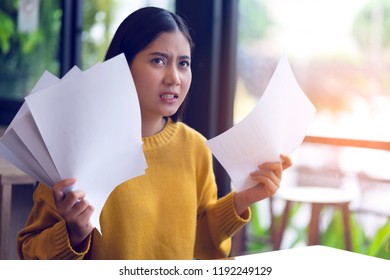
(172, 76)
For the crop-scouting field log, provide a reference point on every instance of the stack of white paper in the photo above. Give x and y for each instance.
(86, 125)
(277, 125)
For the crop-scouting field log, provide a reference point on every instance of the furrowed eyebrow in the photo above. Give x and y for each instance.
(185, 57)
(167, 56)
(159, 54)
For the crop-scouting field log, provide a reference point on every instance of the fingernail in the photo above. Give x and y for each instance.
(68, 189)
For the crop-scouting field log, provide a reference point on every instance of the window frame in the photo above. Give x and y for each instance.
(69, 52)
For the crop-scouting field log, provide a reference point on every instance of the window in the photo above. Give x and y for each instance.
(341, 64)
(30, 41)
(339, 53)
(100, 21)
(29, 44)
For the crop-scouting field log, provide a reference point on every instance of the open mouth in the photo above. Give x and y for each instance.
(169, 96)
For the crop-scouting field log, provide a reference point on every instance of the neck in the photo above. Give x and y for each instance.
(152, 127)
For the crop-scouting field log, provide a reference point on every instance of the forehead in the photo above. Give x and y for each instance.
(170, 42)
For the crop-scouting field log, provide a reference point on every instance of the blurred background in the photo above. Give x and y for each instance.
(339, 51)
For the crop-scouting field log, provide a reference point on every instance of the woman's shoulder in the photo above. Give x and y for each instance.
(187, 131)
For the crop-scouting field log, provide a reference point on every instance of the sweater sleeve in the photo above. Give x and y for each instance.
(217, 218)
(45, 235)
(216, 226)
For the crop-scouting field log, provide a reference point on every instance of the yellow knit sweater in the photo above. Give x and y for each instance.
(171, 212)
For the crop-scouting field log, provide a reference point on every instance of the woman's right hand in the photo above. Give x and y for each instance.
(75, 210)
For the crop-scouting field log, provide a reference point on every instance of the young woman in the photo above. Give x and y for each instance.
(171, 212)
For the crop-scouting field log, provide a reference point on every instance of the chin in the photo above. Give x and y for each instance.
(169, 114)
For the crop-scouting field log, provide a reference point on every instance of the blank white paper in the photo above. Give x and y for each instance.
(15, 146)
(91, 126)
(277, 125)
(85, 126)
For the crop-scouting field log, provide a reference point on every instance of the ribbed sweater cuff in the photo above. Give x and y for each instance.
(229, 221)
(62, 244)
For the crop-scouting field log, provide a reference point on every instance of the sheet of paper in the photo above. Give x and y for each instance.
(8, 155)
(28, 132)
(14, 148)
(45, 80)
(277, 125)
(24, 140)
(15, 145)
(91, 126)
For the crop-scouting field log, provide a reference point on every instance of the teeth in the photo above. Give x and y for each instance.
(167, 96)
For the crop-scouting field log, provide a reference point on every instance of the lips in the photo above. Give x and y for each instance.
(169, 96)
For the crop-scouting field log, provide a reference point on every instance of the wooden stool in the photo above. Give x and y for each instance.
(318, 197)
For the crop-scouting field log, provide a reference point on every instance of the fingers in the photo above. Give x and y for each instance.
(269, 173)
(286, 161)
(272, 167)
(87, 212)
(79, 224)
(268, 178)
(71, 204)
(276, 167)
(74, 209)
(75, 202)
(59, 187)
(79, 215)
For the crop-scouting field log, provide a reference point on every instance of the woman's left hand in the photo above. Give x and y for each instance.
(268, 177)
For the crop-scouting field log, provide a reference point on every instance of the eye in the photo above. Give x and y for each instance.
(184, 63)
(158, 61)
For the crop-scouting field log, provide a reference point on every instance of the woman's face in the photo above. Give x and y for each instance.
(162, 75)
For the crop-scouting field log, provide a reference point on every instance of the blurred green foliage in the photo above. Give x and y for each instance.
(98, 15)
(373, 24)
(254, 21)
(377, 245)
(25, 56)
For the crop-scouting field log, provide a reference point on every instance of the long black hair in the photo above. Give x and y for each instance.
(140, 28)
